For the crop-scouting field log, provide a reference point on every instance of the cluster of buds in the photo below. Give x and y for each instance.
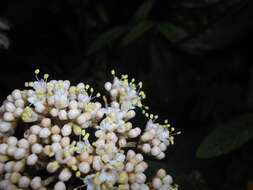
(156, 138)
(53, 133)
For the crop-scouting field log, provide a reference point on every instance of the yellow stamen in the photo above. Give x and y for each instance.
(78, 174)
(46, 76)
(37, 71)
(74, 168)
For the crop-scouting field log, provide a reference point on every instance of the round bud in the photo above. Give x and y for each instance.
(81, 119)
(32, 159)
(130, 154)
(55, 147)
(129, 167)
(19, 153)
(140, 177)
(8, 167)
(5, 126)
(73, 104)
(135, 186)
(23, 143)
(16, 94)
(46, 122)
(18, 112)
(139, 157)
(39, 107)
(108, 86)
(59, 186)
(162, 147)
(19, 166)
(56, 138)
(10, 107)
(155, 151)
(156, 183)
(54, 112)
(55, 129)
(35, 129)
(65, 141)
(44, 133)
(19, 103)
(15, 176)
(24, 182)
(32, 139)
(84, 167)
(161, 173)
(167, 180)
(11, 150)
(12, 141)
(8, 116)
(52, 167)
(62, 115)
(66, 130)
(160, 156)
(65, 174)
(3, 148)
(36, 183)
(77, 130)
(146, 148)
(73, 113)
(37, 148)
(139, 168)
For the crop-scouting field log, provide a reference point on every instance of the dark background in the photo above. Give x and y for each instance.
(199, 74)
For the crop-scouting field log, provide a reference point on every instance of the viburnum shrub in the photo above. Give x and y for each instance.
(54, 135)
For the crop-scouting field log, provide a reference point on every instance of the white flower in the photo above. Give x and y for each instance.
(61, 100)
(83, 98)
(82, 145)
(40, 86)
(161, 133)
(37, 97)
(120, 157)
(108, 174)
(88, 181)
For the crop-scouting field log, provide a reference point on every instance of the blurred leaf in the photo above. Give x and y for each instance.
(105, 38)
(228, 137)
(4, 41)
(4, 24)
(137, 31)
(171, 32)
(143, 11)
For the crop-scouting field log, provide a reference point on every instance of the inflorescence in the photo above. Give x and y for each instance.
(66, 133)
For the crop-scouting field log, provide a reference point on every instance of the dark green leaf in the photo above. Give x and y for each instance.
(228, 137)
(4, 24)
(171, 32)
(143, 11)
(137, 31)
(105, 38)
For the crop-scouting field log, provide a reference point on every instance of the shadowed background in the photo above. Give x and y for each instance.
(194, 58)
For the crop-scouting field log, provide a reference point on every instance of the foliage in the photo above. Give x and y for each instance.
(4, 41)
(228, 137)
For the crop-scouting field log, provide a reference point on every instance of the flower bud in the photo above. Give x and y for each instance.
(24, 182)
(59, 186)
(84, 167)
(65, 174)
(36, 183)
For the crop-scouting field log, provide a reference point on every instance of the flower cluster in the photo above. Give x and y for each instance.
(53, 133)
